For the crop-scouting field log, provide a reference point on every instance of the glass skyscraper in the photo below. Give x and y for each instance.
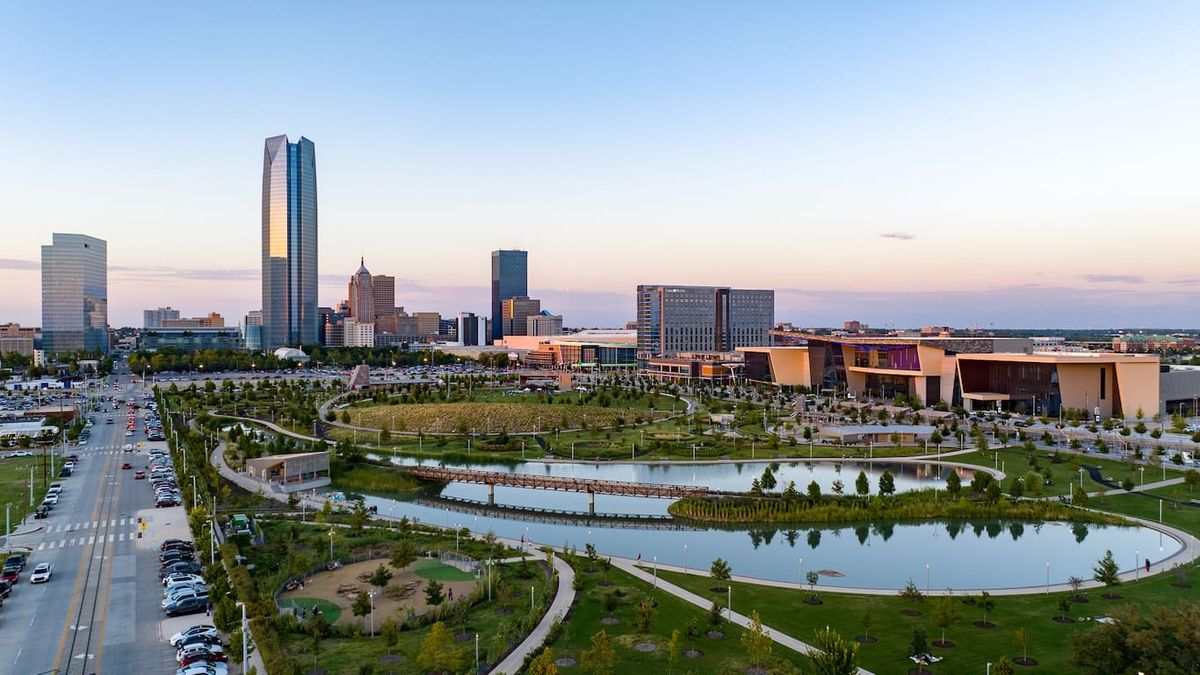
(510, 279)
(75, 294)
(289, 243)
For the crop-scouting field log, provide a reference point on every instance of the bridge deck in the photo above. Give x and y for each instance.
(607, 487)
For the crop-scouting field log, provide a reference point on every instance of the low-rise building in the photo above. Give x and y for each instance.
(292, 472)
(191, 339)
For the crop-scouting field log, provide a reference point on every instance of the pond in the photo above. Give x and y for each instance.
(957, 554)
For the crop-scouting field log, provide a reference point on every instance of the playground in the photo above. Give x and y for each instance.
(333, 591)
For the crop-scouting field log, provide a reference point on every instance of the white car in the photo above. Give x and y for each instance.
(181, 578)
(41, 573)
(180, 590)
(199, 629)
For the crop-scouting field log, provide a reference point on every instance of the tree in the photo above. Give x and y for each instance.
(361, 606)
(358, 517)
(601, 658)
(987, 604)
(1191, 478)
(887, 483)
(1022, 636)
(674, 648)
(1064, 607)
(433, 592)
(945, 615)
(692, 631)
(1106, 570)
(861, 485)
(403, 554)
(837, 656)
(953, 484)
(755, 641)
(838, 487)
(1160, 641)
(714, 614)
(919, 644)
(544, 663)
(644, 616)
(1004, 666)
(910, 592)
(811, 577)
(768, 479)
(390, 630)
(438, 652)
(380, 577)
(720, 570)
(814, 491)
(868, 621)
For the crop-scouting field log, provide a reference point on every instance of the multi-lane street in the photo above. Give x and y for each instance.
(100, 611)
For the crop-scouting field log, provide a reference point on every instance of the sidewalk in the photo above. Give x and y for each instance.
(564, 597)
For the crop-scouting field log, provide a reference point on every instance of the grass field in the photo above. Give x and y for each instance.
(975, 647)
(330, 611)
(723, 655)
(496, 621)
(14, 485)
(1064, 475)
(428, 568)
(492, 418)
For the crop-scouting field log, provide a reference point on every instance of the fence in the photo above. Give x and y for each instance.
(460, 561)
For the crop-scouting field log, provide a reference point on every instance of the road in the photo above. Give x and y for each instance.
(100, 610)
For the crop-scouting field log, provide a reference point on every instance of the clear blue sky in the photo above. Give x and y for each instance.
(1022, 164)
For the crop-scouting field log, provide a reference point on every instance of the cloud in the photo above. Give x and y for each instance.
(902, 236)
(16, 264)
(1114, 279)
(160, 273)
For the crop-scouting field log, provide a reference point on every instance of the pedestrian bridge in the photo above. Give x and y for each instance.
(561, 483)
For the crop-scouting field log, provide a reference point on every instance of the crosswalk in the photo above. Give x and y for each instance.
(87, 540)
(87, 532)
(89, 525)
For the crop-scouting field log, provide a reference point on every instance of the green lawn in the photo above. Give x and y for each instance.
(723, 655)
(330, 611)
(429, 568)
(14, 485)
(784, 610)
(497, 622)
(1065, 474)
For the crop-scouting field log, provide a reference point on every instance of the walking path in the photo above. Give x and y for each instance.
(564, 597)
(784, 639)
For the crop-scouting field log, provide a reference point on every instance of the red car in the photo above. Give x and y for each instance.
(140, 475)
(11, 576)
(126, 465)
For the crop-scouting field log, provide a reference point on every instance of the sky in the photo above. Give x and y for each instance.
(1016, 164)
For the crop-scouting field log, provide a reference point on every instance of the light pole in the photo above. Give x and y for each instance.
(1142, 469)
(656, 571)
(685, 567)
(245, 635)
(7, 529)
(800, 578)
(331, 544)
(1047, 577)
(193, 491)
(1137, 565)
(477, 652)
(926, 578)
(372, 596)
(457, 529)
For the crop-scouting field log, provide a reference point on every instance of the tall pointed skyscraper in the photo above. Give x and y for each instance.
(289, 243)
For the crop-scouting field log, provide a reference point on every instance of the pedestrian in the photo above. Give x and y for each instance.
(1147, 564)
(450, 593)
(208, 609)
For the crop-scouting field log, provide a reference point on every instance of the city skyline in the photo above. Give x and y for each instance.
(859, 161)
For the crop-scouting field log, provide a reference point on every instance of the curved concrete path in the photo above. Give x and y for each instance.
(564, 597)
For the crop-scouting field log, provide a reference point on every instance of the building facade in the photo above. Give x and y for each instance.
(75, 294)
(472, 329)
(17, 339)
(153, 318)
(674, 319)
(361, 294)
(544, 323)
(384, 288)
(191, 339)
(510, 279)
(289, 243)
(358, 334)
(213, 320)
(515, 312)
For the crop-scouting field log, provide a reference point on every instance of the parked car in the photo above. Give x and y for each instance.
(180, 566)
(181, 606)
(204, 668)
(200, 652)
(5, 589)
(192, 631)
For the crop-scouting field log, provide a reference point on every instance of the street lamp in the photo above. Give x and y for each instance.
(245, 635)
(926, 578)
(331, 544)
(372, 596)
(1047, 577)
(193, 491)
(685, 566)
